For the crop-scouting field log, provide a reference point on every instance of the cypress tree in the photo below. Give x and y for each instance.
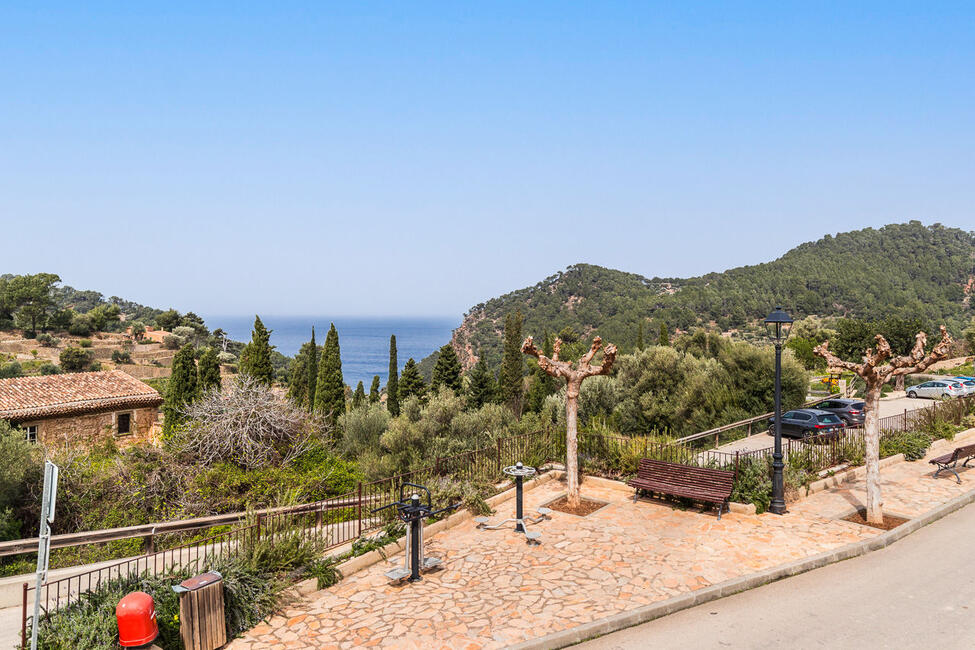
(359, 397)
(480, 389)
(639, 336)
(446, 372)
(209, 371)
(392, 384)
(255, 360)
(411, 383)
(664, 338)
(182, 388)
(511, 377)
(542, 384)
(374, 390)
(312, 370)
(330, 390)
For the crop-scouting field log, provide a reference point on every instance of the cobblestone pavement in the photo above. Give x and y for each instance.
(496, 590)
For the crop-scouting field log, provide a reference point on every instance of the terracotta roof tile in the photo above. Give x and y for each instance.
(69, 394)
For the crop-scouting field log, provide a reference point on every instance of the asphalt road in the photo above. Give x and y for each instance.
(919, 592)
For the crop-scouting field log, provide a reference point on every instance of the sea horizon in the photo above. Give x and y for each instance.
(363, 340)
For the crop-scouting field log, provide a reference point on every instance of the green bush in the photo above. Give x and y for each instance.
(913, 444)
(11, 369)
(753, 484)
(121, 356)
(80, 325)
(77, 359)
(85, 343)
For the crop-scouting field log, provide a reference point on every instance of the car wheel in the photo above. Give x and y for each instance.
(912, 395)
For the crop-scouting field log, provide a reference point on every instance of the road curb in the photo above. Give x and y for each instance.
(653, 611)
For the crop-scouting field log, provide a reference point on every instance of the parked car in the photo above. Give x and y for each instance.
(802, 423)
(967, 382)
(939, 389)
(849, 410)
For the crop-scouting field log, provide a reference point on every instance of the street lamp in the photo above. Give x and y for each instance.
(778, 325)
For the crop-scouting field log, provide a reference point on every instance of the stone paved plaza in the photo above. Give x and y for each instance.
(496, 590)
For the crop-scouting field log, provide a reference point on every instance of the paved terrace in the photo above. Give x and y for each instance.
(496, 590)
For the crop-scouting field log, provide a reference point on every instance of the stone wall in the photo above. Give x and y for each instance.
(94, 428)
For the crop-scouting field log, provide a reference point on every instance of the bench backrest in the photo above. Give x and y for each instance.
(688, 474)
(963, 452)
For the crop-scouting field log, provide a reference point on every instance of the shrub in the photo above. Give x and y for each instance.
(47, 340)
(48, 368)
(226, 357)
(172, 342)
(753, 484)
(121, 356)
(10, 370)
(248, 426)
(76, 359)
(913, 444)
(80, 325)
(85, 343)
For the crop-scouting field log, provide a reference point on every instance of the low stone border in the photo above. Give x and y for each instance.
(646, 613)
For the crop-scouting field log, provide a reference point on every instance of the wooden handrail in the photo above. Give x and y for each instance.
(742, 423)
(19, 546)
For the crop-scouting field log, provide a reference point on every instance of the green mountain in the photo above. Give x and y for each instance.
(903, 270)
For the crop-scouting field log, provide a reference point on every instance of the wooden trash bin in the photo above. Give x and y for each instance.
(202, 625)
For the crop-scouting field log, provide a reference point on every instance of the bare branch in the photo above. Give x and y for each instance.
(833, 361)
(917, 361)
(587, 357)
(609, 357)
(556, 349)
(553, 366)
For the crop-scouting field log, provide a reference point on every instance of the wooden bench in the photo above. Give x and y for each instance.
(949, 461)
(698, 483)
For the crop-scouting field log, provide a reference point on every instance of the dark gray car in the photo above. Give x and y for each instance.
(802, 423)
(849, 410)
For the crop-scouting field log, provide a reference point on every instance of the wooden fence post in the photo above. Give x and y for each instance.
(499, 454)
(149, 544)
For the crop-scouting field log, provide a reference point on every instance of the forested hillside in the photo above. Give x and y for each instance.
(901, 270)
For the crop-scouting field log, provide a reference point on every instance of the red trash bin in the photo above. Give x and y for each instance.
(136, 616)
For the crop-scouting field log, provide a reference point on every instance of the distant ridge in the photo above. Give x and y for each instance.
(905, 270)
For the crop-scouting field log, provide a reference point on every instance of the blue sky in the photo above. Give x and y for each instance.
(418, 158)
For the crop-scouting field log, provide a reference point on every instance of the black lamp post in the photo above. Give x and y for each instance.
(778, 325)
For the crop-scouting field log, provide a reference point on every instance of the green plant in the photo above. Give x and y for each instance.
(121, 356)
(324, 571)
(753, 484)
(85, 343)
(913, 444)
(76, 359)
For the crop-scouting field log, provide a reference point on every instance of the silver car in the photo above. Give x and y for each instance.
(968, 385)
(939, 389)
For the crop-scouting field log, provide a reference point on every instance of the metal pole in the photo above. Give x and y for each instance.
(519, 508)
(778, 485)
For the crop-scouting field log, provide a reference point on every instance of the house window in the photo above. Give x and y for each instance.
(123, 424)
(30, 433)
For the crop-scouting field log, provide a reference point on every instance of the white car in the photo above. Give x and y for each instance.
(939, 389)
(967, 384)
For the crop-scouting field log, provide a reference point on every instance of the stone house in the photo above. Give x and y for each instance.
(82, 408)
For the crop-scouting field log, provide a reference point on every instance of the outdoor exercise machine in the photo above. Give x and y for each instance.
(413, 512)
(519, 472)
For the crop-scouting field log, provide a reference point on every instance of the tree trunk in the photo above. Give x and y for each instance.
(899, 382)
(572, 441)
(871, 439)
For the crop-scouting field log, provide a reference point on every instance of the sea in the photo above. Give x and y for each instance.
(363, 341)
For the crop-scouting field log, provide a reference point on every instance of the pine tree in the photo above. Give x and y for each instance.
(374, 390)
(392, 384)
(330, 389)
(255, 360)
(664, 338)
(446, 372)
(312, 370)
(411, 383)
(359, 396)
(209, 371)
(480, 385)
(182, 388)
(511, 377)
(639, 336)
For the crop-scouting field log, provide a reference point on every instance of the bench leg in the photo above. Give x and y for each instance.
(948, 467)
(965, 464)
